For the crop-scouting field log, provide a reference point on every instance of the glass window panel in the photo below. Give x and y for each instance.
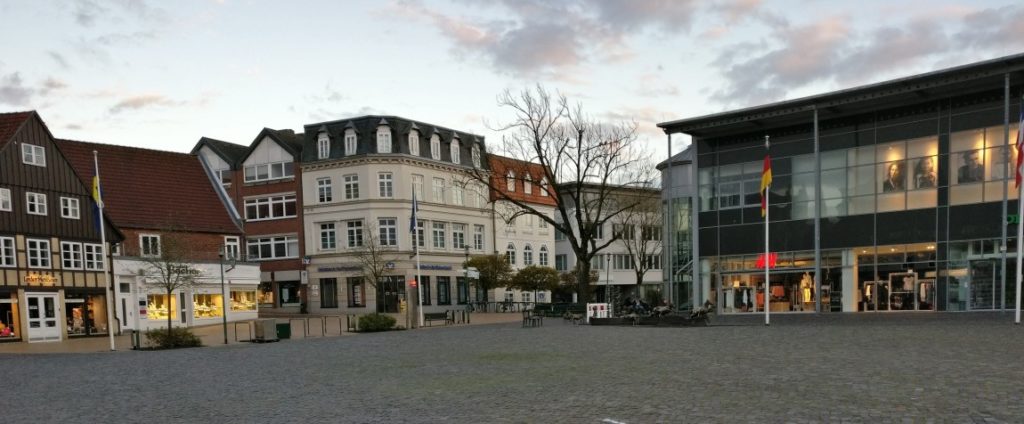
(729, 172)
(833, 184)
(802, 187)
(833, 207)
(891, 152)
(966, 140)
(861, 180)
(802, 210)
(994, 191)
(861, 156)
(707, 198)
(968, 166)
(729, 195)
(752, 190)
(803, 163)
(997, 162)
(919, 199)
(861, 204)
(892, 202)
(892, 176)
(755, 168)
(705, 176)
(918, 147)
(833, 159)
(924, 174)
(994, 137)
(963, 194)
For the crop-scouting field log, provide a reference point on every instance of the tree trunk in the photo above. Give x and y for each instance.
(583, 279)
(170, 312)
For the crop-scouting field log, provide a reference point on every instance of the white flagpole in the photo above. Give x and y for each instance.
(106, 250)
(1020, 225)
(767, 260)
(416, 248)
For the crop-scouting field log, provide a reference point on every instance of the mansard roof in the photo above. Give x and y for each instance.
(366, 133)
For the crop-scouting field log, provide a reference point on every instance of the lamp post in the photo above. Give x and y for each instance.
(607, 283)
(465, 270)
(223, 294)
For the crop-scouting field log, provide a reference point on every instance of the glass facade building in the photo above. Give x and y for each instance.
(897, 196)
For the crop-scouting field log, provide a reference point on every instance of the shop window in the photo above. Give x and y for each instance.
(462, 290)
(9, 317)
(161, 307)
(207, 306)
(85, 314)
(243, 301)
(425, 289)
(356, 292)
(444, 296)
(289, 292)
(265, 295)
(328, 292)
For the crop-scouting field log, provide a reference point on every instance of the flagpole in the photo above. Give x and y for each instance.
(767, 260)
(103, 242)
(1020, 210)
(416, 248)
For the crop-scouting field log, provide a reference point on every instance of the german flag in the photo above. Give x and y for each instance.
(766, 181)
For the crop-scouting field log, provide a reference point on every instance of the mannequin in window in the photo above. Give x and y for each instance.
(806, 288)
(924, 173)
(894, 180)
(971, 171)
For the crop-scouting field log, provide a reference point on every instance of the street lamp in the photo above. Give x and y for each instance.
(223, 290)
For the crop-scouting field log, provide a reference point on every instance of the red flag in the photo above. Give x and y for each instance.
(1020, 146)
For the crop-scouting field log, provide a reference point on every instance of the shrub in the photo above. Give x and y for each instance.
(375, 322)
(178, 337)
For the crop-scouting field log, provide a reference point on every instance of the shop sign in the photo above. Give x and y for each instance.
(437, 267)
(772, 258)
(37, 278)
(1013, 219)
(335, 268)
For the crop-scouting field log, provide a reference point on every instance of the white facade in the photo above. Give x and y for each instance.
(375, 193)
(526, 240)
(141, 304)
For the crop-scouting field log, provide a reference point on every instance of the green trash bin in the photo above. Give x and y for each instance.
(284, 331)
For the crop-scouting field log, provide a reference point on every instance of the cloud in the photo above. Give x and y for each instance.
(998, 28)
(13, 91)
(654, 85)
(143, 101)
(323, 114)
(535, 38)
(52, 84)
(86, 12)
(59, 58)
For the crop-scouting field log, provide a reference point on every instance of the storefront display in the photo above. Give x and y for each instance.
(85, 313)
(207, 306)
(160, 307)
(243, 301)
(9, 317)
(266, 295)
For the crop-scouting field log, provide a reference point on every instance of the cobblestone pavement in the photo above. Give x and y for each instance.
(830, 368)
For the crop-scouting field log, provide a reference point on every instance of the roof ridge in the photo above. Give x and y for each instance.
(125, 147)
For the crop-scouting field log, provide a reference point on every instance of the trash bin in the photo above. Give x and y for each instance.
(284, 330)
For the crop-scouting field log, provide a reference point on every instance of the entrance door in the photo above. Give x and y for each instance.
(387, 294)
(981, 288)
(42, 317)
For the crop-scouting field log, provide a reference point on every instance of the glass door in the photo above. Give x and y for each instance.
(42, 317)
(981, 287)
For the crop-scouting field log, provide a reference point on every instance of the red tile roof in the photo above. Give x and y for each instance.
(500, 166)
(9, 124)
(152, 189)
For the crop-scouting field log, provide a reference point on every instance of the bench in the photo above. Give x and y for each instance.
(530, 319)
(446, 316)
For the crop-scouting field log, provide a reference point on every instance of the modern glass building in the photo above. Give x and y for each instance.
(896, 196)
(677, 197)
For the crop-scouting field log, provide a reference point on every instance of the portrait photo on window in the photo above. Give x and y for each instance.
(924, 173)
(970, 169)
(894, 178)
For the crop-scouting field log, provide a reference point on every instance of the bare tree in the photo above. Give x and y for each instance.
(643, 245)
(171, 269)
(581, 163)
(376, 259)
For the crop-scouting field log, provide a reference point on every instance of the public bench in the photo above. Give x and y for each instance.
(532, 319)
(446, 316)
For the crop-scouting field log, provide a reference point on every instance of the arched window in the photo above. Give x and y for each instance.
(510, 181)
(323, 145)
(414, 143)
(542, 258)
(455, 151)
(476, 156)
(383, 139)
(527, 255)
(435, 147)
(544, 186)
(527, 184)
(510, 254)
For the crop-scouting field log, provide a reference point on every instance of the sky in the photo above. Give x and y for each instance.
(163, 74)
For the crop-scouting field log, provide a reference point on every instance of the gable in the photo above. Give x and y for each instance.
(267, 151)
(216, 162)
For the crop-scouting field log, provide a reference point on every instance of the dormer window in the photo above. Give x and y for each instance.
(476, 156)
(455, 151)
(527, 185)
(544, 187)
(350, 142)
(414, 143)
(323, 145)
(435, 147)
(510, 181)
(383, 139)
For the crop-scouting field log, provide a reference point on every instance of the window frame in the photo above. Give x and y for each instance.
(144, 247)
(232, 247)
(272, 242)
(438, 234)
(32, 202)
(478, 237)
(285, 167)
(351, 142)
(70, 205)
(328, 236)
(386, 185)
(6, 202)
(93, 256)
(351, 186)
(31, 251)
(453, 151)
(384, 144)
(414, 143)
(387, 229)
(354, 233)
(34, 155)
(323, 145)
(8, 253)
(435, 147)
(270, 202)
(324, 190)
(72, 255)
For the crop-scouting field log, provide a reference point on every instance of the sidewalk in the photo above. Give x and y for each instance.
(213, 335)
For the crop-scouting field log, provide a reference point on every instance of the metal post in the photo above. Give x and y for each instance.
(667, 188)
(1006, 193)
(224, 295)
(817, 218)
(607, 283)
(106, 253)
(767, 254)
